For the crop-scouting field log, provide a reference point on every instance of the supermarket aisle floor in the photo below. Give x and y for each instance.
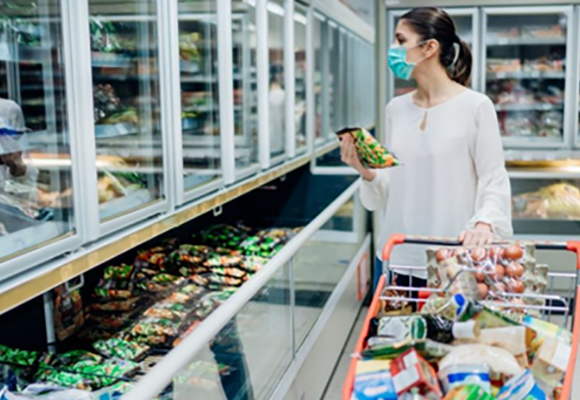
(334, 389)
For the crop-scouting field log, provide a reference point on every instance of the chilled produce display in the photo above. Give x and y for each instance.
(141, 310)
(460, 344)
(559, 201)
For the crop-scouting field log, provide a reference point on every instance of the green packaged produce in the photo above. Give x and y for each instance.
(225, 236)
(13, 356)
(253, 264)
(122, 349)
(371, 152)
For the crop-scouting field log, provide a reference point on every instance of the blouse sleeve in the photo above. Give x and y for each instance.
(493, 199)
(374, 194)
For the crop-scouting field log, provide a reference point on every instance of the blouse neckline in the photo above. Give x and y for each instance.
(448, 101)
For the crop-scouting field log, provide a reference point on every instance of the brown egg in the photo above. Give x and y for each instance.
(496, 253)
(514, 252)
(498, 272)
(483, 290)
(516, 286)
(443, 254)
(514, 270)
(478, 254)
(500, 287)
(480, 276)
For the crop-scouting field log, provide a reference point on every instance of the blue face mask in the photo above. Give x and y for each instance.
(397, 60)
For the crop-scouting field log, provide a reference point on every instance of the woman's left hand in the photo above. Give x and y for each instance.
(481, 235)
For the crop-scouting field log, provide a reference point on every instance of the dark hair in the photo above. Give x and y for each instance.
(434, 23)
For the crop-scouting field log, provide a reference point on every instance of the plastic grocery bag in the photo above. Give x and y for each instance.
(498, 360)
(371, 152)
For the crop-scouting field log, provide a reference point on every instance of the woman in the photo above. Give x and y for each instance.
(453, 181)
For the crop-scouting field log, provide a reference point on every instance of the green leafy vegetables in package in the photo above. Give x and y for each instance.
(372, 153)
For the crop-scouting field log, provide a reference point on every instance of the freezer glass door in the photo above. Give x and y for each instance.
(300, 68)
(276, 92)
(199, 92)
(245, 84)
(464, 21)
(126, 105)
(36, 203)
(525, 58)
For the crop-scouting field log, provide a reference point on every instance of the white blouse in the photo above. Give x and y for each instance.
(452, 174)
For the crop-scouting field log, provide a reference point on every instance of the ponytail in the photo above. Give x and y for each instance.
(460, 70)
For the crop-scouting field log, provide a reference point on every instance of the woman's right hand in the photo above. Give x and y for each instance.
(349, 156)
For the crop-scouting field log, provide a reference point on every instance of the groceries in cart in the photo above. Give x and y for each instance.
(478, 333)
(371, 152)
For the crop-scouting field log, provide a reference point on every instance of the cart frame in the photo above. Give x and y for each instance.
(398, 239)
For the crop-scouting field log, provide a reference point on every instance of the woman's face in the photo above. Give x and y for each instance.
(417, 49)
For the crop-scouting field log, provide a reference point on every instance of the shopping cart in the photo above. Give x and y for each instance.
(555, 305)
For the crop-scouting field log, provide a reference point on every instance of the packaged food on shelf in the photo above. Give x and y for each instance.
(543, 32)
(68, 312)
(496, 65)
(504, 33)
(372, 153)
(119, 348)
(558, 201)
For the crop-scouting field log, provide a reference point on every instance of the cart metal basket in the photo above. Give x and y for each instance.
(561, 305)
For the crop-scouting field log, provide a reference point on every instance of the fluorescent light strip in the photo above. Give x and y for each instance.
(275, 8)
(300, 18)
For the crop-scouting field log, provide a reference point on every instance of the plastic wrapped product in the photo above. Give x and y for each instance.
(460, 375)
(10, 355)
(117, 283)
(501, 273)
(551, 362)
(253, 264)
(117, 305)
(168, 310)
(224, 236)
(123, 349)
(373, 381)
(261, 246)
(499, 360)
(112, 321)
(557, 201)
(452, 273)
(431, 327)
(371, 152)
(186, 333)
(159, 283)
(522, 386)
(69, 359)
(468, 392)
(212, 281)
(188, 259)
(410, 370)
(68, 312)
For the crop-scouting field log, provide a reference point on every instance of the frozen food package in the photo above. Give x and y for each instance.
(68, 312)
(468, 392)
(557, 201)
(499, 360)
(371, 152)
(119, 348)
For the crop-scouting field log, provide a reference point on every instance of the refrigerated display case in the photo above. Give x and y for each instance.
(199, 78)
(526, 49)
(245, 86)
(276, 92)
(318, 39)
(125, 72)
(35, 150)
(300, 68)
(466, 22)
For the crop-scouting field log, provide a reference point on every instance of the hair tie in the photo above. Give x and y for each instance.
(457, 48)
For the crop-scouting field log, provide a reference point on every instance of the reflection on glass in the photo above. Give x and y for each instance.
(35, 167)
(300, 64)
(335, 117)
(317, 39)
(318, 267)
(126, 101)
(245, 82)
(250, 355)
(464, 29)
(546, 199)
(525, 75)
(276, 94)
(199, 92)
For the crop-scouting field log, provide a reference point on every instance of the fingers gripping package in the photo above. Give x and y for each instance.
(506, 273)
(372, 153)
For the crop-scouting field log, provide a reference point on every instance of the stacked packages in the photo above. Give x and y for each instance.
(473, 339)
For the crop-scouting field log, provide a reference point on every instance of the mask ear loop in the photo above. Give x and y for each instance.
(457, 48)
